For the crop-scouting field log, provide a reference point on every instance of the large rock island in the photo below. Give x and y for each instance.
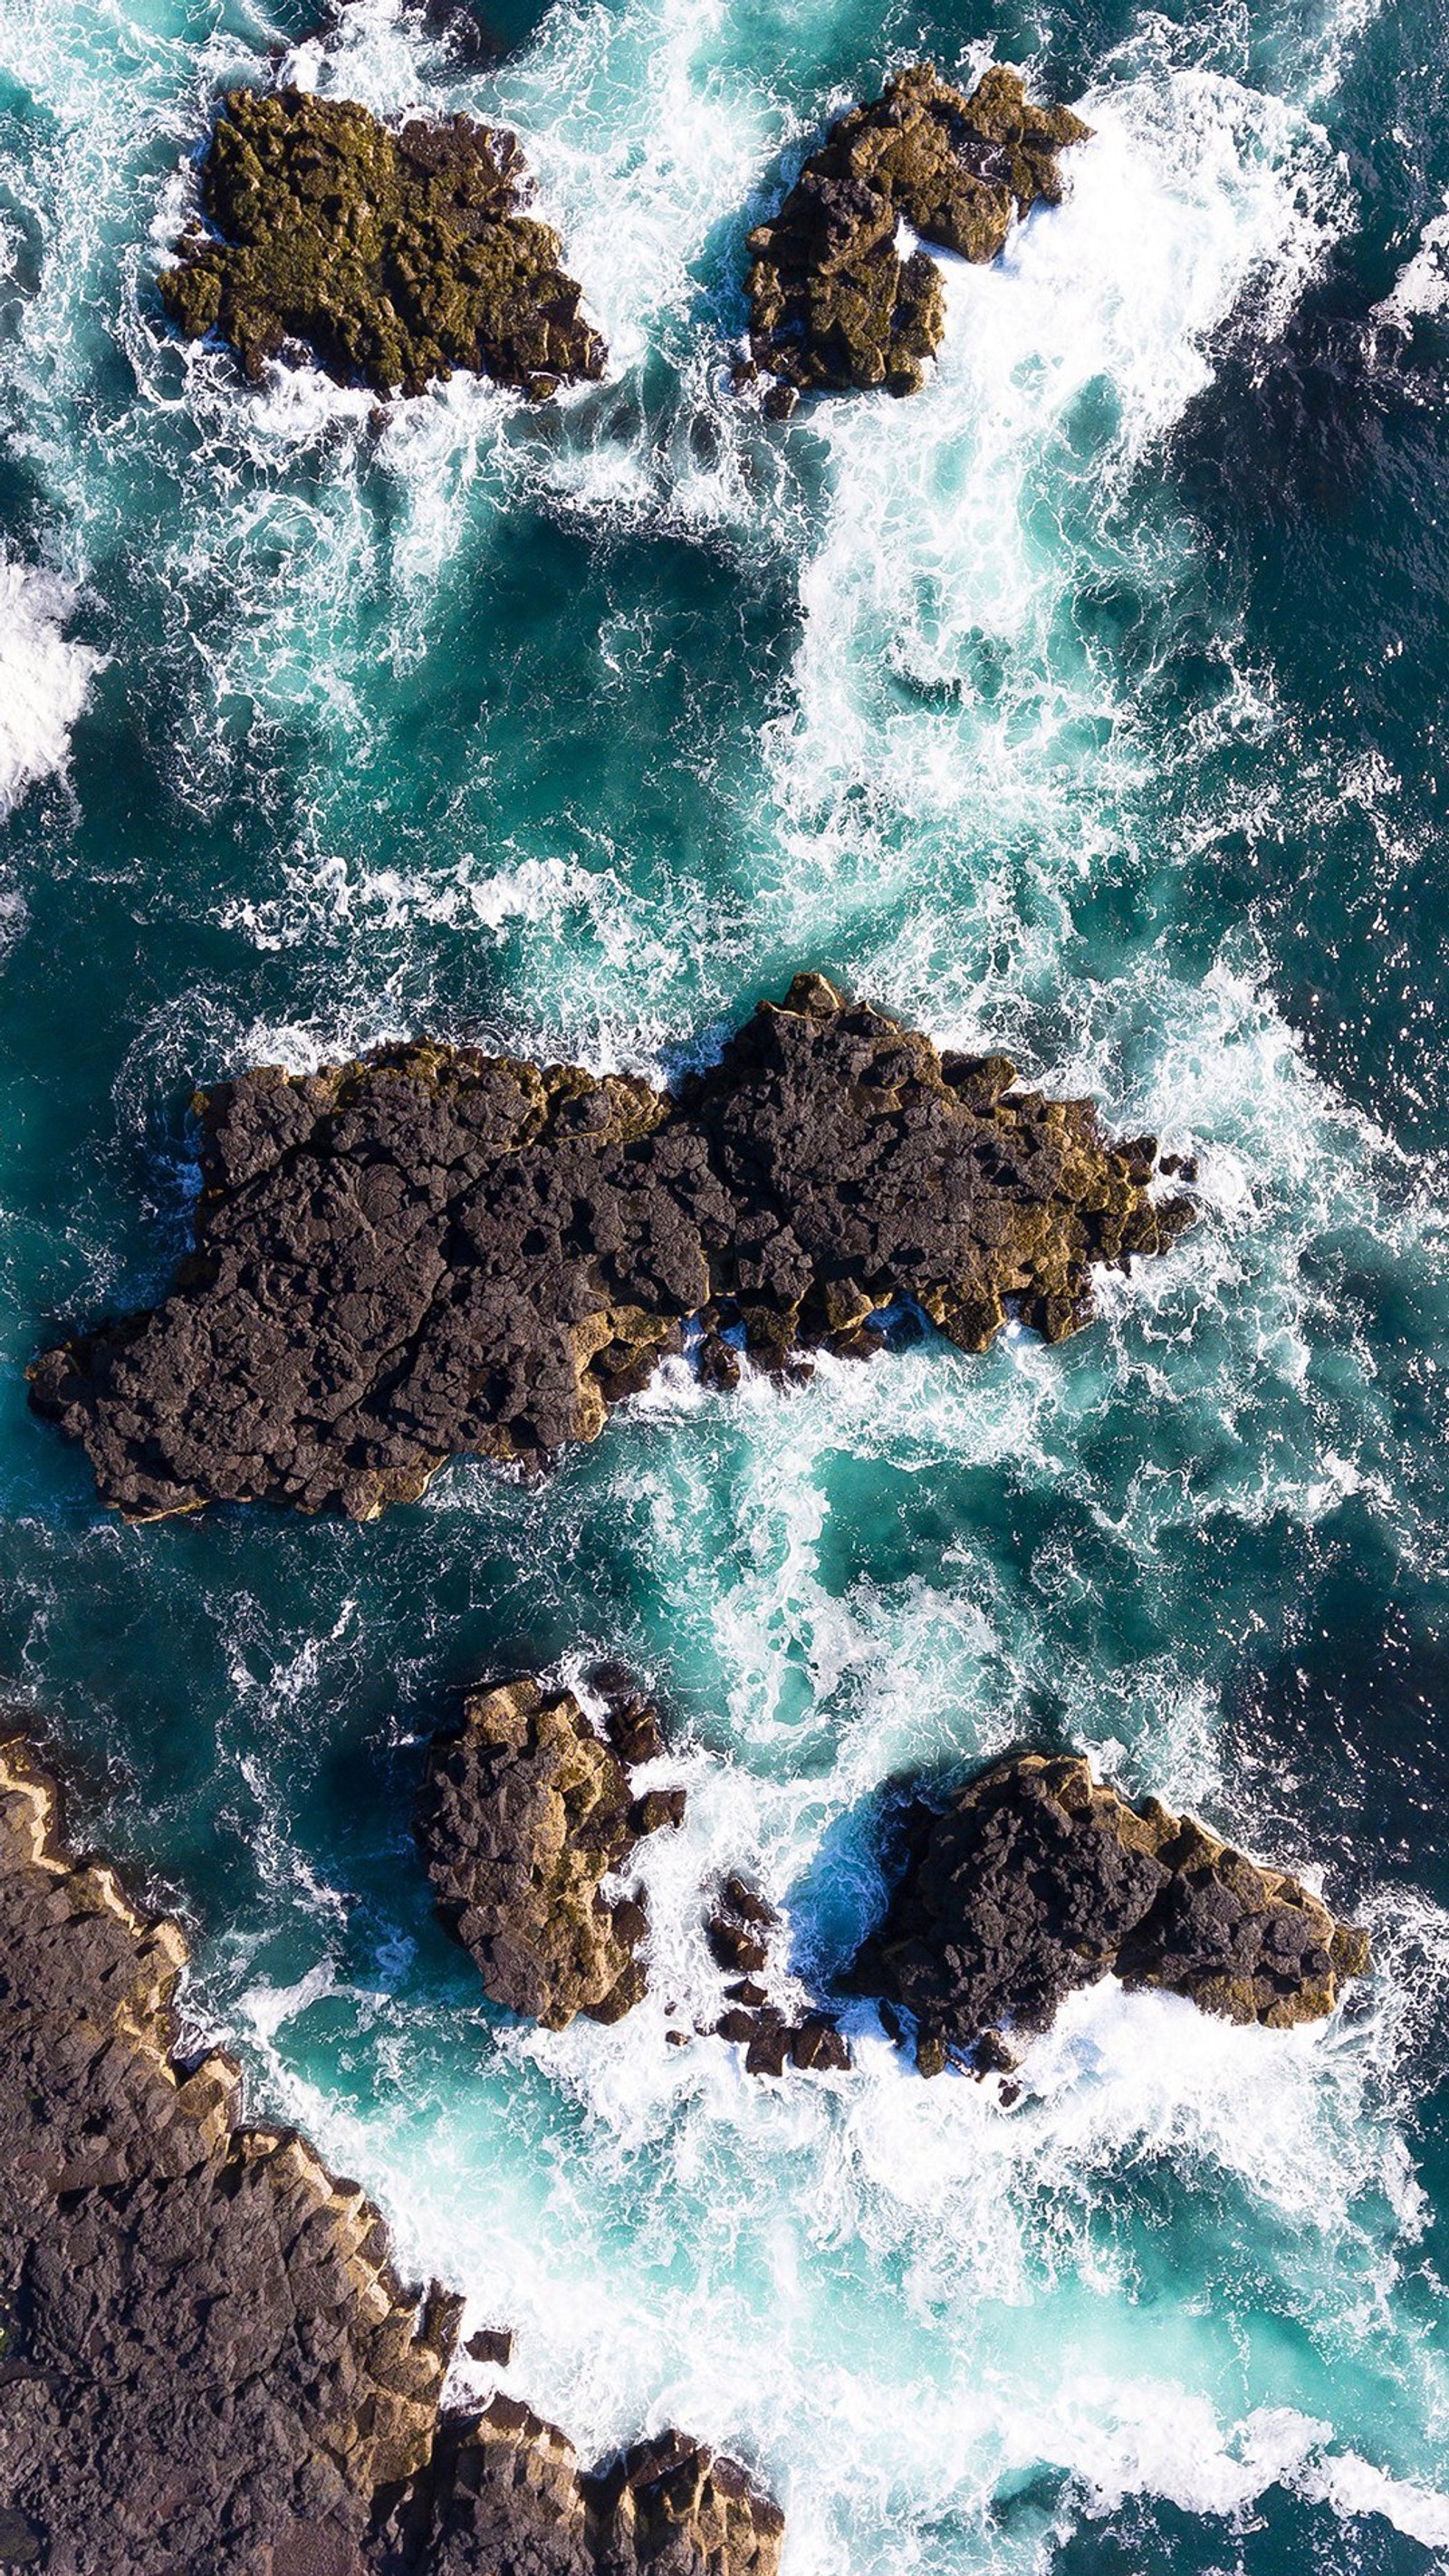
(1035, 1879)
(436, 1251)
(207, 2360)
(833, 304)
(395, 255)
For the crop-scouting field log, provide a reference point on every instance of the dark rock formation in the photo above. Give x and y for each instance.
(437, 1251)
(207, 2361)
(1035, 1880)
(505, 2497)
(832, 303)
(523, 1813)
(742, 1931)
(396, 256)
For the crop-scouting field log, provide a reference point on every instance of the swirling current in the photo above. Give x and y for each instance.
(1089, 704)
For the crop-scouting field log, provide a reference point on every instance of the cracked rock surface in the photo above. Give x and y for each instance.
(436, 1251)
(524, 1812)
(833, 304)
(1036, 1879)
(395, 254)
(207, 2360)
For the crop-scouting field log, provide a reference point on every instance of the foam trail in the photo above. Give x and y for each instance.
(1422, 286)
(44, 676)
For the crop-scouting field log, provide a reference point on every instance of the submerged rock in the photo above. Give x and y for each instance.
(436, 1251)
(396, 255)
(523, 1813)
(206, 2358)
(1036, 1879)
(832, 302)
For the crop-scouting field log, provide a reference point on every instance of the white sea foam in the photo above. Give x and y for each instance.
(1422, 285)
(44, 676)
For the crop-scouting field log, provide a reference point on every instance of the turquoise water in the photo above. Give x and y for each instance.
(1090, 704)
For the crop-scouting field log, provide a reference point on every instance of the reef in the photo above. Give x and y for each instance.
(525, 1810)
(832, 302)
(395, 255)
(206, 2357)
(1035, 1880)
(435, 1251)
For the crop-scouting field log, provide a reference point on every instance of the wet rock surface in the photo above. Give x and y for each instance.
(206, 2357)
(436, 1251)
(524, 1811)
(833, 304)
(1036, 1880)
(395, 254)
(745, 1937)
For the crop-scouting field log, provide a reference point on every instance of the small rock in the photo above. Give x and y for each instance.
(491, 2343)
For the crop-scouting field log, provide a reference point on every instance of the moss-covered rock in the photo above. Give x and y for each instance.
(832, 303)
(396, 255)
(1036, 1879)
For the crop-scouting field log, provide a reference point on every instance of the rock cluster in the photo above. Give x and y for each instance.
(206, 2358)
(396, 255)
(506, 2497)
(437, 1251)
(1036, 1879)
(524, 1812)
(832, 302)
(742, 1931)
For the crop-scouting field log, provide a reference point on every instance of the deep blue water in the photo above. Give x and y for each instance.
(1090, 704)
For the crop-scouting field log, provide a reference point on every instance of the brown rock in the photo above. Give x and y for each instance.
(832, 303)
(523, 1813)
(206, 2358)
(395, 255)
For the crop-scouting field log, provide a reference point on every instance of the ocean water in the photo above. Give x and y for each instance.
(1090, 704)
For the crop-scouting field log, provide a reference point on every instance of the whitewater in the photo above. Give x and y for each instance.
(1085, 705)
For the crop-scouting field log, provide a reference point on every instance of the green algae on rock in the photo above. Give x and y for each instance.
(832, 303)
(396, 255)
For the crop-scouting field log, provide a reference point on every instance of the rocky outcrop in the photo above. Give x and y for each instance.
(505, 2496)
(437, 1251)
(832, 302)
(395, 255)
(1035, 1880)
(207, 2360)
(524, 1812)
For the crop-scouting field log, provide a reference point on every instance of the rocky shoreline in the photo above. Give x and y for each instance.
(436, 1252)
(394, 254)
(206, 2356)
(1035, 1880)
(833, 304)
